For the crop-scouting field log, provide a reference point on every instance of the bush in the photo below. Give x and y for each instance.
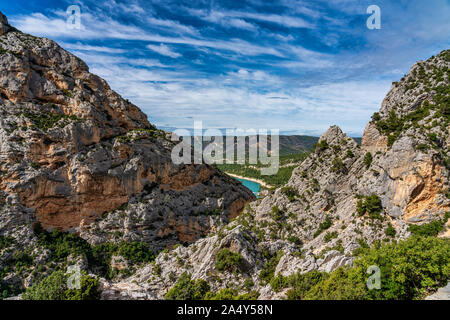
(390, 231)
(188, 289)
(300, 284)
(391, 126)
(339, 285)
(330, 235)
(349, 154)
(429, 229)
(136, 252)
(376, 116)
(323, 226)
(277, 213)
(231, 294)
(5, 242)
(289, 192)
(410, 269)
(226, 260)
(46, 121)
(371, 205)
(7, 289)
(54, 287)
(320, 146)
(268, 271)
(62, 245)
(368, 160)
(338, 166)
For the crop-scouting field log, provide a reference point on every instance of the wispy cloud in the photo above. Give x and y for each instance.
(86, 47)
(106, 28)
(164, 50)
(221, 16)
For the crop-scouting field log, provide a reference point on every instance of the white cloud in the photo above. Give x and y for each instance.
(102, 59)
(172, 26)
(240, 24)
(222, 16)
(169, 96)
(86, 47)
(164, 50)
(106, 28)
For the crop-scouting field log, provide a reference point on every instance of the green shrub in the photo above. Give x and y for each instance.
(339, 285)
(338, 166)
(294, 239)
(188, 289)
(277, 213)
(320, 146)
(349, 154)
(410, 269)
(429, 229)
(300, 284)
(231, 294)
(54, 287)
(323, 226)
(63, 245)
(422, 147)
(371, 205)
(376, 116)
(368, 160)
(330, 235)
(268, 270)
(136, 252)
(46, 121)
(226, 260)
(289, 192)
(5, 242)
(390, 231)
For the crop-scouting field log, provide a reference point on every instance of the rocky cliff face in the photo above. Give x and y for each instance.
(76, 156)
(320, 217)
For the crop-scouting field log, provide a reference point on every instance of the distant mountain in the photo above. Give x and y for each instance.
(288, 144)
(296, 144)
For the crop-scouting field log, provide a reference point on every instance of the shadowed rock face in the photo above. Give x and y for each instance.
(4, 26)
(72, 150)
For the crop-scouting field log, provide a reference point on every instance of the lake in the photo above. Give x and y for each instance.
(253, 186)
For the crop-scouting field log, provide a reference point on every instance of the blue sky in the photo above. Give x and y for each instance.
(298, 66)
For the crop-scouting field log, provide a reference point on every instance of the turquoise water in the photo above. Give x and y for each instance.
(253, 186)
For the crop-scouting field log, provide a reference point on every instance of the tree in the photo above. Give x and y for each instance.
(188, 289)
(226, 260)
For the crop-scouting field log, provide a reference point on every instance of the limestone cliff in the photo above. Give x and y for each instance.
(73, 151)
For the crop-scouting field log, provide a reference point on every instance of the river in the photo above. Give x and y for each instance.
(253, 186)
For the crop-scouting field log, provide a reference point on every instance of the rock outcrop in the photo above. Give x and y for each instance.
(75, 154)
